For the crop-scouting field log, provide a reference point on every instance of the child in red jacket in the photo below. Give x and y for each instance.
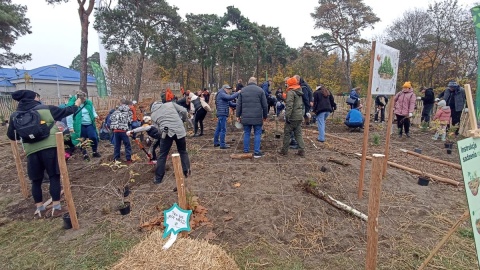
(443, 115)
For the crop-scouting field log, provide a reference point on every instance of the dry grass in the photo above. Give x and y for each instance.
(185, 254)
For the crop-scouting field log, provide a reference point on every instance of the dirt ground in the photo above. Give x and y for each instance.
(259, 213)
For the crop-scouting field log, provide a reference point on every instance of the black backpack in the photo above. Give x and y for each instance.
(29, 127)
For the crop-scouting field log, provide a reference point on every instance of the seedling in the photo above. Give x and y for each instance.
(376, 139)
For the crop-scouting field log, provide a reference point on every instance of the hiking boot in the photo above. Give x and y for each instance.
(226, 146)
(283, 152)
(196, 135)
(408, 135)
(216, 145)
(187, 173)
(96, 155)
(258, 154)
(157, 181)
(301, 153)
(86, 157)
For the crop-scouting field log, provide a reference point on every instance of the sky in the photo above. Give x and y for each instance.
(55, 37)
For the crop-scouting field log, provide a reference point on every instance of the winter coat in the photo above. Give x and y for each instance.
(443, 114)
(294, 105)
(239, 86)
(307, 94)
(224, 101)
(354, 116)
(197, 105)
(252, 105)
(405, 102)
(265, 87)
(459, 98)
(150, 129)
(322, 103)
(429, 97)
(49, 114)
(170, 115)
(87, 109)
(354, 94)
(121, 118)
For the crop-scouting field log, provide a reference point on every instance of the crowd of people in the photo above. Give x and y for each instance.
(168, 119)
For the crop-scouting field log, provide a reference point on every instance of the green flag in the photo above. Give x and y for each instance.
(100, 77)
(476, 22)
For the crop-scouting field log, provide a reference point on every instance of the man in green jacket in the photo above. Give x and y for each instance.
(293, 117)
(42, 155)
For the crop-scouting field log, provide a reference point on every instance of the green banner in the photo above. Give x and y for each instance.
(476, 22)
(100, 78)
(469, 152)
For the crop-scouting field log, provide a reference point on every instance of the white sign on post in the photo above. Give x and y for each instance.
(385, 69)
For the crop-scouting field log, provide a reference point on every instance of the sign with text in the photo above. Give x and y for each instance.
(176, 220)
(469, 150)
(385, 69)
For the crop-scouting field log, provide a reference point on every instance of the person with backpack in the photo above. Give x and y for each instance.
(34, 124)
(82, 124)
(404, 108)
(107, 124)
(120, 123)
(323, 105)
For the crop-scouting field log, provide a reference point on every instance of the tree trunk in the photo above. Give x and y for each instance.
(347, 68)
(84, 14)
(138, 74)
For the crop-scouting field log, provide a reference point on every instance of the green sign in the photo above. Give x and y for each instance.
(476, 22)
(100, 78)
(469, 150)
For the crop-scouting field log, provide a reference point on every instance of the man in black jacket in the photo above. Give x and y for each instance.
(252, 110)
(307, 98)
(428, 101)
(380, 103)
(42, 155)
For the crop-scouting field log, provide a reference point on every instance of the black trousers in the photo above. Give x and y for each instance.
(456, 121)
(427, 110)
(403, 122)
(37, 163)
(382, 114)
(199, 116)
(165, 145)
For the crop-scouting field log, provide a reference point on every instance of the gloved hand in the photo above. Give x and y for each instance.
(410, 114)
(419, 98)
(465, 110)
(129, 133)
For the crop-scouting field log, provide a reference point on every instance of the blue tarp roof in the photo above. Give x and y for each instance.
(50, 73)
(6, 83)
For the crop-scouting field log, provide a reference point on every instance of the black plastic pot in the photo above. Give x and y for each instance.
(418, 150)
(423, 181)
(67, 222)
(323, 169)
(449, 151)
(277, 136)
(448, 145)
(124, 209)
(126, 191)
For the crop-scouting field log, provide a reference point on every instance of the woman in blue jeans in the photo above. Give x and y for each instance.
(323, 105)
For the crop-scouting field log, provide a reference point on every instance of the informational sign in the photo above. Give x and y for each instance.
(385, 69)
(176, 220)
(469, 150)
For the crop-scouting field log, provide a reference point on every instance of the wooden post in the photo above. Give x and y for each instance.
(474, 132)
(367, 123)
(20, 172)
(66, 180)
(179, 178)
(391, 105)
(373, 210)
(444, 239)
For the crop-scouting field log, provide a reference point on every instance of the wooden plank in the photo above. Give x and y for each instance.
(66, 180)
(20, 171)
(474, 132)
(181, 189)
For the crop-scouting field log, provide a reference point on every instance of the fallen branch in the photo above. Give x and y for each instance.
(337, 204)
(340, 138)
(340, 162)
(242, 156)
(431, 176)
(454, 165)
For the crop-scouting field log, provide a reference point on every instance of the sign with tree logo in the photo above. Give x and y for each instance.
(385, 67)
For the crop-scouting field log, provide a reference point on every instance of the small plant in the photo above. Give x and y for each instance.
(451, 136)
(376, 139)
(424, 126)
(337, 120)
(122, 189)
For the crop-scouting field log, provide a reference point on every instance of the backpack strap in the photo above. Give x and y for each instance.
(42, 106)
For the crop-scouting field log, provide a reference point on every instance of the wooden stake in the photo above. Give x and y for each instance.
(465, 216)
(373, 210)
(454, 165)
(474, 132)
(181, 189)
(66, 180)
(389, 134)
(431, 176)
(367, 123)
(20, 171)
(242, 156)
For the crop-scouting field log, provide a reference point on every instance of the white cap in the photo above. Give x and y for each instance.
(147, 119)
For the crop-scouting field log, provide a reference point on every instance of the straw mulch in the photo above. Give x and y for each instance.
(185, 254)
